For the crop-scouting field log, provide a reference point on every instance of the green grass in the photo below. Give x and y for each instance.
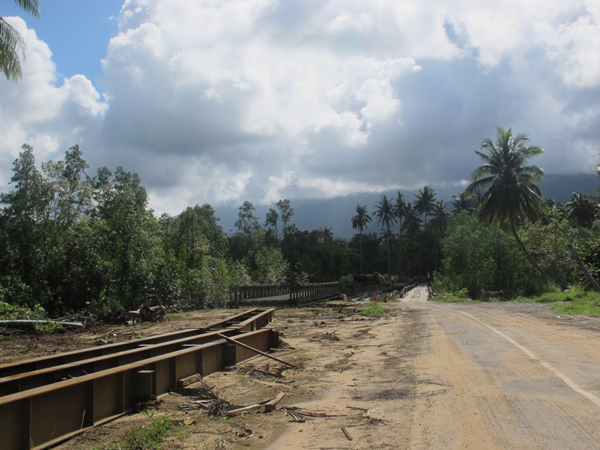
(447, 297)
(145, 437)
(578, 307)
(573, 301)
(373, 309)
(174, 314)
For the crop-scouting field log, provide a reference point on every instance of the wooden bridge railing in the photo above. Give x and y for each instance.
(291, 295)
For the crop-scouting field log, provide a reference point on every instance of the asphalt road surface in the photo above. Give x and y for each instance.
(503, 380)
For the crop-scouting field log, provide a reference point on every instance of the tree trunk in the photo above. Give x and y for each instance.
(400, 250)
(360, 236)
(587, 272)
(527, 255)
(389, 239)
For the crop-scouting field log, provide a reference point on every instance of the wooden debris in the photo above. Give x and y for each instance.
(299, 414)
(184, 382)
(245, 409)
(272, 404)
(356, 407)
(347, 434)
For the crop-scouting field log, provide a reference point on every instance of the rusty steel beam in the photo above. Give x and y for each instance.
(44, 416)
(18, 367)
(29, 380)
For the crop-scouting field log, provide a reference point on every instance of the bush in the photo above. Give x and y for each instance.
(478, 259)
(373, 309)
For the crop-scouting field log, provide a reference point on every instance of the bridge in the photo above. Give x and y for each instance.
(282, 294)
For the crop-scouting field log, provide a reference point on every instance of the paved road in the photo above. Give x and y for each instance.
(505, 380)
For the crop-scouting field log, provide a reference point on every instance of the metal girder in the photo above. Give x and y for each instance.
(43, 416)
(80, 355)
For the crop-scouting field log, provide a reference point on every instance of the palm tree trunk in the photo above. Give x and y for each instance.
(524, 250)
(360, 235)
(389, 239)
(400, 250)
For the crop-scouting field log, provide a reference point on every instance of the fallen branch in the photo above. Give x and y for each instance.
(271, 405)
(21, 322)
(347, 434)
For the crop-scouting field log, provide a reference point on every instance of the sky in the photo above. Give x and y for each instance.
(226, 101)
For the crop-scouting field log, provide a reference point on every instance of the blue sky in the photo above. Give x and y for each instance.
(77, 32)
(223, 101)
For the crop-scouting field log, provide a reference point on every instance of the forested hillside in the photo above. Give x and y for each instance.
(70, 241)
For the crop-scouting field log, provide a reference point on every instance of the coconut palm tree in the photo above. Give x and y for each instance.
(384, 212)
(412, 221)
(439, 217)
(581, 209)
(424, 202)
(399, 210)
(509, 192)
(359, 222)
(463, 202)
(11, 42)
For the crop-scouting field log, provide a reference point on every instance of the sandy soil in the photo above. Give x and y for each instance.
(426, 376)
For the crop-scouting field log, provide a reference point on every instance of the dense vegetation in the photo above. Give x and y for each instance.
(70, 241)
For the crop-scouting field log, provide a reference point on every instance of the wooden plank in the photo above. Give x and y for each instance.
(184, 382)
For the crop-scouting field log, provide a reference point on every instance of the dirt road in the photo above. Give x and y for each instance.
(474, 376)
(426, 376)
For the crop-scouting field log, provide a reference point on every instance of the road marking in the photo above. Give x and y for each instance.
(472, 317)
(551, 368)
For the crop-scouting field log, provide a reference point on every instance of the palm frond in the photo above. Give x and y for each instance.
(11, 47)
(29, 6)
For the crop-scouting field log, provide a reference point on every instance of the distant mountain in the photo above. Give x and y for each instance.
(335, 213)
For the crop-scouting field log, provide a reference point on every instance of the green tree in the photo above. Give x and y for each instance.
(463, 202)
(509, 192)
(425, 202)
(480, 258)
(271, 220)
(25, 220)
(384, 211)
(247, 222)
(286, 213)
(439, 219)
(12, 45)
(412, 221)
(400, 206)
(581, 209)
(360, 222)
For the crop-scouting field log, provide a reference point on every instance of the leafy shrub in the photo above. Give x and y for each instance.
(373, 309)
(145, 438)
(478, 259)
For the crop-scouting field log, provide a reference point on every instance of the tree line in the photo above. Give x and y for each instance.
(69, 240)
(500, 236)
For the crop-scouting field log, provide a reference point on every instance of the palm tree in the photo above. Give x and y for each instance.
(424, 202)
(581, 209)
(12, 44)
(508, 188)
(463, 202)
(412, 221)
(384, 212)
(359, 222)
(440, 215)
(399, 210)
